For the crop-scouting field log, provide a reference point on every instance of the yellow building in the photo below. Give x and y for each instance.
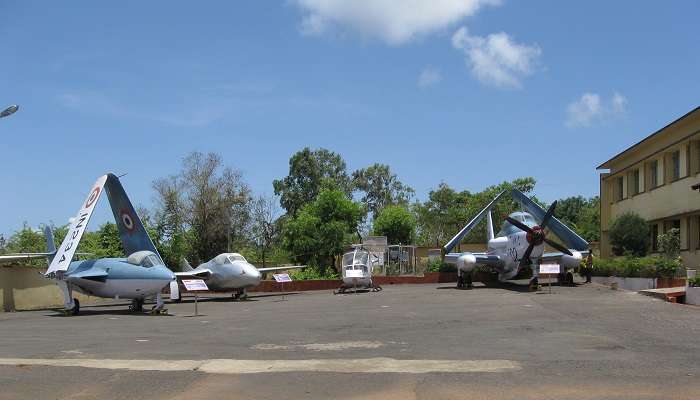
(653, 178)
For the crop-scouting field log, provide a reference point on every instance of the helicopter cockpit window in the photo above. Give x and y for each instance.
(347, 258)
(361, 257)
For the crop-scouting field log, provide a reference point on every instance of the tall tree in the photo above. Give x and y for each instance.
(396, 223)
(380, 188)
(265, 225)
(582, 215)
(308, 169)
(321, 229)
(206, 204)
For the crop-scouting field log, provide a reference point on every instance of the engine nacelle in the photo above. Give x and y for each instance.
(569, 262)
(466, 262)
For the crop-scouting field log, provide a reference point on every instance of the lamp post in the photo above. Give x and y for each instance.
(9, 111)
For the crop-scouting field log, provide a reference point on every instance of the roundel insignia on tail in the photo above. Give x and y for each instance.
(127, 220)
(93, 196)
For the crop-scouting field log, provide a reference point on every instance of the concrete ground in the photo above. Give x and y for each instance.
(406, 342)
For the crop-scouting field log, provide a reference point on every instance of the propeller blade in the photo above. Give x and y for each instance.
(548, 215)
(519, 224)
(558, 247)
(525, 260)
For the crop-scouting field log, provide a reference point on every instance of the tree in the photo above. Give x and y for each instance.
(203, 210)
(308, 169)
(397, 224)
(321, 229)
(582, 215)
(380, 187)
(265, 218)
(629, 234)
(670, 243)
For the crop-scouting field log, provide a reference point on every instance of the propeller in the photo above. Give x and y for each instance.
(537, 235)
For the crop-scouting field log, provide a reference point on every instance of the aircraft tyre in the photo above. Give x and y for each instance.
(136, 305)
(76, 308)
(534, 285)
(569, 279)
(460, 281)
(468, 281)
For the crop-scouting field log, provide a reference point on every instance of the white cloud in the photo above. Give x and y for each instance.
(589, 108)
(429, 77)
(496, 59)
(393, 21)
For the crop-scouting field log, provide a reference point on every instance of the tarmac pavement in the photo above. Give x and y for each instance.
(408, 342)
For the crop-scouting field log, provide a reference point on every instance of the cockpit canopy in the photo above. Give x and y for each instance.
(356, 257)
(228, 258)
(144, 258)
(508, 229)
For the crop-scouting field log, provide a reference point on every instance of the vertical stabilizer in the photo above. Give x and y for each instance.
(131, 231)
(489, 226)
(50, 243)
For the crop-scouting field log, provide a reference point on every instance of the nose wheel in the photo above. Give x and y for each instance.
(464, 281)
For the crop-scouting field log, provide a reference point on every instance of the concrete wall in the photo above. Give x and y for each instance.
(25, 288)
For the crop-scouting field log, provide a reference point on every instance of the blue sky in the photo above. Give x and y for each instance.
(469, 92)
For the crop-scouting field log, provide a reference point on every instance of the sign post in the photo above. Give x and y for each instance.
(281, 279)
(195, 285)
(549, 269)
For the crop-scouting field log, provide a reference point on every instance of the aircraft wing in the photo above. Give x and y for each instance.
(557, 255)
(471, 225)
(281, 268)
(489, 260)
(65, 252)
(91, 274)
(200, 273)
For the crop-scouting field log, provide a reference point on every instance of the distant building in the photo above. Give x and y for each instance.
(653, 178)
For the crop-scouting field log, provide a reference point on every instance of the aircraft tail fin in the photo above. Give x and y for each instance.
(50, 243)
(131, 231)
(185, 266)
(489, 226)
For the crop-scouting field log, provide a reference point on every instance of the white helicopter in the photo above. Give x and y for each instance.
(227, 271)
(356, 269)
(519, 244)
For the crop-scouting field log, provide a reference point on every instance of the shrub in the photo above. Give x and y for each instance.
(670, 243)
(437, 265)
(694, 281)
(636, 267)
(314, 273)
(629, 234)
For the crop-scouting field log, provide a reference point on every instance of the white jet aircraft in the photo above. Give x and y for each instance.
(227, 271)
(520, 243)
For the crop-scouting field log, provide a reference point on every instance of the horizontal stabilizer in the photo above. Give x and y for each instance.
(24, 256)
(281, 268)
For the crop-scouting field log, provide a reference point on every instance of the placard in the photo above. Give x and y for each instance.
(282, 278)
(354, 273)
(549, 268)
(194, 284)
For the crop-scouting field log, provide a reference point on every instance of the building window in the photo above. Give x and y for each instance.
(635, 182)
(654, 237)
(619, 189)
(676, 165)
(654, 168)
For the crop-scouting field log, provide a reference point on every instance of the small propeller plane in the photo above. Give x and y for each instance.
(139, 276)
(228, 271)
(519, 244)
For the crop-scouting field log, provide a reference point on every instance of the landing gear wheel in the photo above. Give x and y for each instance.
(76, 308)
(136, 305)
(534, 285)
(236, 295)
(569, 279)
(376, 288)
(468, 281)
(460, 281)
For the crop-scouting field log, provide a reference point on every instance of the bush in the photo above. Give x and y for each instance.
(437, 265)
(636, 267)
(670, 243)
(314, 273)
(694, 281)
(629, 234)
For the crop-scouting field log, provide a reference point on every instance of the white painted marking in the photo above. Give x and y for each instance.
(71, 352)
(230, 366)
(142, 340)
(336, 346)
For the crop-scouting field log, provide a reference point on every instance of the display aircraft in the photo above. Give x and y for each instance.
(519, 244)
(139, 276)
(228, 271)
(356, 269)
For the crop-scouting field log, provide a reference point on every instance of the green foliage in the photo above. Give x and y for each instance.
(308, 169)
(582, 215)
(323, 228)
(694, 281)
(637, 267)
(381, 188)
(314, 273)
(629, 233)
(437, 265)
(397, 224)
(670, 243)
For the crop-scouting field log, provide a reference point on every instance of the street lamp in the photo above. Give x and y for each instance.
(9, 111)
